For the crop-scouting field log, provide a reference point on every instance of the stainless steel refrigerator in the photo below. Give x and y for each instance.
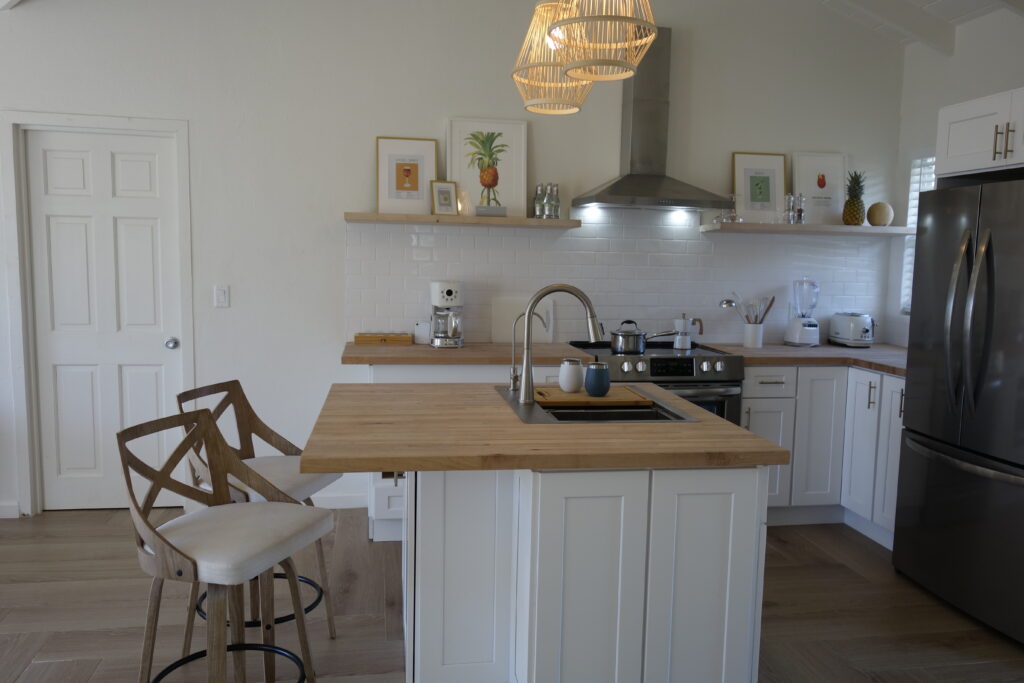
(960, 503)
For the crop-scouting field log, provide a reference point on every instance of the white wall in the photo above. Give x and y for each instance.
(284, 100)
(989, 58)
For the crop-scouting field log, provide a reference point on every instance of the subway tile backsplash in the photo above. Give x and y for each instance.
(649, 266)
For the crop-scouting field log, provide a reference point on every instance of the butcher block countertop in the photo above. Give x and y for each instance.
(421, 427)
(473, 353)
(880, 357)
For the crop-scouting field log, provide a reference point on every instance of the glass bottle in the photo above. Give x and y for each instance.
(800, 202)
(556, 203)
(538, 202)
(548, 207)
(790, 214)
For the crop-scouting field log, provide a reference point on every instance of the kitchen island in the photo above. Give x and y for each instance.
(563, 552)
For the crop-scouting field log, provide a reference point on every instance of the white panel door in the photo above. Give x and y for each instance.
(861, 441)
(817, 458)
(703, 580)
(970, 134)
(773, 419)
(107, 294)
(887, 467)
(591, 549)
(465, 535)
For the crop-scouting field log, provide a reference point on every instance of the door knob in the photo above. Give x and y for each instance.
(172, 343)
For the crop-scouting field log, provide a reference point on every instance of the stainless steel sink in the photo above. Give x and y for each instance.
(533, 413)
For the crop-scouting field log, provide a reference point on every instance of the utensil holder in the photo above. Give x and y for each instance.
(753, 335)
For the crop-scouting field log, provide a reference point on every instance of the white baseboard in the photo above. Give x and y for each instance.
(340, 500)
(9, 510)
(385, 529)
(809, 514)
(879, 535)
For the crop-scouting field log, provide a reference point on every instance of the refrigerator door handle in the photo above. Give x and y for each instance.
(984, 252)
(952, 383)
(964, 466)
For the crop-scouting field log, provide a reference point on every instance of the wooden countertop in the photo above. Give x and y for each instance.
(478, 353)
(419, 427)
(880, 357)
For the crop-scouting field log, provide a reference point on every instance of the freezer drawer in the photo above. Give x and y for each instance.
(959, 532)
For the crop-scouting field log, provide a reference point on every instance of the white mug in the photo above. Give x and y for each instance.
(570, 375)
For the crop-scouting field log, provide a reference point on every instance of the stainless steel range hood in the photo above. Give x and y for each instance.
(643, 183)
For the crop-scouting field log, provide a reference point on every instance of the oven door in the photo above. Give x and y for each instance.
(721, 399)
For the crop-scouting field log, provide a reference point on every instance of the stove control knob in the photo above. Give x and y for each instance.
(719, 366)
(641, 366)
(705, 366)
(626, 366)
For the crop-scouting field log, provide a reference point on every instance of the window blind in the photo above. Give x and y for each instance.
(922, 179)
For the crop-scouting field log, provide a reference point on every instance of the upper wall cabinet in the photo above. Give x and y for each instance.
(986, 133)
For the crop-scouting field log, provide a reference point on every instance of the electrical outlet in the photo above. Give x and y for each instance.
(222, 296)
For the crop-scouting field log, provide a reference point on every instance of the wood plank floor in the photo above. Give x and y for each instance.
(73, 601)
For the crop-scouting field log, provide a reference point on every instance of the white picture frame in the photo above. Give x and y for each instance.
(821, 178)
(508, 196)
(405, 169)
(759, 186)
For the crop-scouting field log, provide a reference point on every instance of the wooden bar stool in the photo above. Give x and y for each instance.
(281, 471)
(221, 544)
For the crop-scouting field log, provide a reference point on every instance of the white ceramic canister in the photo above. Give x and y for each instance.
(753, 335)
(570, 375)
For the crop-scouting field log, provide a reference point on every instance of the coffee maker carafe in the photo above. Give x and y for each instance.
(446, 315)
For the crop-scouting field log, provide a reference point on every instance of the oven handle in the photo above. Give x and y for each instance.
(702, 392)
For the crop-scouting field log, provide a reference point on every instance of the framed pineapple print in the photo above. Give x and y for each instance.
(821, 178)
(405, 169)
(759, 185)
(487, 158)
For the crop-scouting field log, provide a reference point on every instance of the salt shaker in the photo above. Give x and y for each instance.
(570, 375)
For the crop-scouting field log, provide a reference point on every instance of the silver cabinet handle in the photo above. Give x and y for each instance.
(871, 391)
(172, 343)
(902, 397)
(771, 381)
(1008, 139)
(995, 143)
(748, 419)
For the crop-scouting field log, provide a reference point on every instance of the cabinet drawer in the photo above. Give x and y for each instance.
(769, 381)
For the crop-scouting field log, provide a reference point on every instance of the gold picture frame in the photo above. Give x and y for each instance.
(405, 169)
(444, 198)
(759, 185)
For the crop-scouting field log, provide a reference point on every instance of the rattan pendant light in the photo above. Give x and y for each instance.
(539, 73)
(603, 40)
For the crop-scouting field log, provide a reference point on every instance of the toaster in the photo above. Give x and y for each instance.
(852, 329)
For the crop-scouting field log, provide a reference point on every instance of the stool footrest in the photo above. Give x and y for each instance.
(235, 647)
(254, 623)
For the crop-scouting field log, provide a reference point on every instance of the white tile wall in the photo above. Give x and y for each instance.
(647, 265)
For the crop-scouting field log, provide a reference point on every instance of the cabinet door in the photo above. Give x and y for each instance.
(773, 419)
(967, 139)
(591, 548)
(861, 442)
(1015, 153)
(817, 459)
(887, 466)
(703, 577)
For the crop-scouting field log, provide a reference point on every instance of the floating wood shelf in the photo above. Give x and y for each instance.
(426, 219)
(808, 229)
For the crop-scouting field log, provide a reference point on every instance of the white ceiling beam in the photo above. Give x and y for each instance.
(1016, 5)
(8, 4)
(920, 24)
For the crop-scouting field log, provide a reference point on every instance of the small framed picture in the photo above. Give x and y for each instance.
(405, 169)
(759, 184)
(821, 178)
(444, 196)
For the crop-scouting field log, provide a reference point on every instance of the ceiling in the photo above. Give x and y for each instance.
(928, 21)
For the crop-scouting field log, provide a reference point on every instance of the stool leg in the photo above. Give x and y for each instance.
(190, 618)
(149, 639)
(216, 640)
(267, 627)
(300, 617)
(254, 598)
(236, 605)
(325, 581)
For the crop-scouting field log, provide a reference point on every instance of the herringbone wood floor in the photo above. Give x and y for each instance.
(73, 601)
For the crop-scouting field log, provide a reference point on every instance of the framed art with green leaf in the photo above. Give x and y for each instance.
(759, 185)
(487, 158)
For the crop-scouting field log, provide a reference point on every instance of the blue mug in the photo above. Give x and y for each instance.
(598, 381)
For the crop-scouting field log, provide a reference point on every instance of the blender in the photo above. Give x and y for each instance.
(803, 329)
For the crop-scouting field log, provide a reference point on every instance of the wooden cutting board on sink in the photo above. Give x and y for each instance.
(553, 397)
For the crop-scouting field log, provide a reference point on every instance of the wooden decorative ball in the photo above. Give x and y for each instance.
(880, 214)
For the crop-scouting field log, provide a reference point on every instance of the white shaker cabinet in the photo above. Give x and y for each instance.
(861, 441)
(817, 458)
(702, 619)
(887, 466)
(773, 419)
(981, 134)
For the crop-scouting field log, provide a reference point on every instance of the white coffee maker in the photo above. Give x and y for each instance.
(446, 315)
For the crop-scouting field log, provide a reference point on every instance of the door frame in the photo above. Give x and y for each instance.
(16, 270)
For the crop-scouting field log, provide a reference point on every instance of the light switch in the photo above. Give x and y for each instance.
(221, 296)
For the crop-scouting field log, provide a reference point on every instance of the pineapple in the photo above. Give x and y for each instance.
(853, 210)
(485, 154)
